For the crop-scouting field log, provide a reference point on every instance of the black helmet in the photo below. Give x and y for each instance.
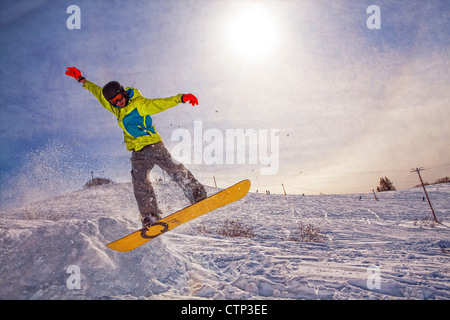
(111, 89)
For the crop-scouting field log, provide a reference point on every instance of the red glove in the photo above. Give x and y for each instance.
(74, 72)
(190, 98)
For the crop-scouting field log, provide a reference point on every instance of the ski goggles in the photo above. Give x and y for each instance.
(117, 98)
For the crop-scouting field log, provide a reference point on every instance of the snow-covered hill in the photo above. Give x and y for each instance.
(370, 249)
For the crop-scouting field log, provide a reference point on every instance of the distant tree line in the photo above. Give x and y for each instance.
(385, 185)
(97, 182)
(438, 181)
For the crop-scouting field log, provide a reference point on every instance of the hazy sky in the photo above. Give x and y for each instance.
(348, 104)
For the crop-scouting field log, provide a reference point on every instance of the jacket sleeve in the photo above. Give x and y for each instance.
(154, 106)
(97, 92)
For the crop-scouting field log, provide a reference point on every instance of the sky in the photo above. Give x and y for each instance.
(328, 104)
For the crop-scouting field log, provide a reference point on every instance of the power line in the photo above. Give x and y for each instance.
(439, 165)
(302, 188)
(280, 184)
(382, 171)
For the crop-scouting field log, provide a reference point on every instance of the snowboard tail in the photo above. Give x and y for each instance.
(220, 199)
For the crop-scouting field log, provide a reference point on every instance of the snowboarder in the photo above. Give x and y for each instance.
(133, 113)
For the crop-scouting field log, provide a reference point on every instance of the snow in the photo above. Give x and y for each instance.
(370, 249)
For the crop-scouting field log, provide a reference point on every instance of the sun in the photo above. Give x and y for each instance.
(252, 32)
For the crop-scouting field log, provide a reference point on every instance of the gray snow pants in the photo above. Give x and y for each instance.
(143, 161)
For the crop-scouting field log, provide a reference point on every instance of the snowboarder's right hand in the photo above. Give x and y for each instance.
(74, 73)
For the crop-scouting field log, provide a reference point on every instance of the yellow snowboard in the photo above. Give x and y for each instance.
(220, 199)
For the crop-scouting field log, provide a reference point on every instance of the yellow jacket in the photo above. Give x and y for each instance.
(135, 118)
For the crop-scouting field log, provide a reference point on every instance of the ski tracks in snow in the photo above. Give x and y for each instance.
(370, 249)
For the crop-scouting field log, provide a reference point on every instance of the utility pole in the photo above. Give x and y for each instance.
(423, 186)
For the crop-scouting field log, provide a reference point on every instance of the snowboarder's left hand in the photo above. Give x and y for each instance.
(190, 98)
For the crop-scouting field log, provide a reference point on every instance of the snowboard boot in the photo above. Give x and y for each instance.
(199, 194)
(151, 219)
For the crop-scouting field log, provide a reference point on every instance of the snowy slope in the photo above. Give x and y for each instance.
(363, 240)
